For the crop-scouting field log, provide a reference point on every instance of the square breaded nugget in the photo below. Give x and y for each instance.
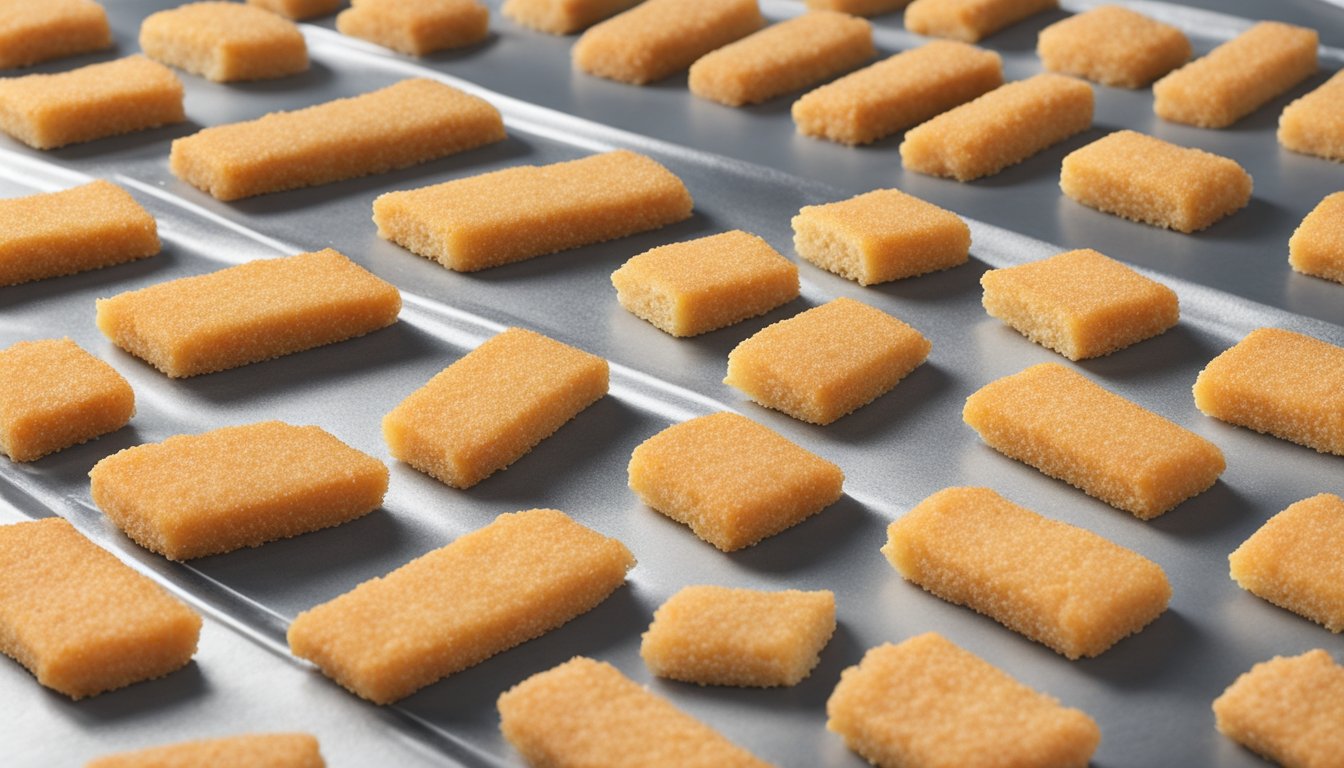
(488, 591)
(33, 32)
(704, 284)
(341, 139)
(249, 313)
(1080, 303)
(1060, 585)
(234, 487)
(1288, 709)
(970, 20)
(880, 236)
(253, 750)
(826, 362)
(1140, 178)
(224, 42)
(926, 703)
(563, 17)
(1281, 383)
(1001, 128)
(1293, 560)
(783, 57)
(731, 480)
(858, 7)
(1314, 123)
(1237, 77)
(92, 102)
(532, 210)
(1113, 45)
(299, 9)
(744, 637)
(80, 619)
(659, 38)
(586, 713)
(87, 227)
(898, 92)
(1069, 428)
(493, 405)
(416, 27)
(54, 395)
(1317, 245)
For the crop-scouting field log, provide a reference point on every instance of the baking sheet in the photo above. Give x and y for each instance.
(1150, 694)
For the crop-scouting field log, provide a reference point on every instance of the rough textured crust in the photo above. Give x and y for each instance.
(532, 210)
(33, 32)
(1293, 560)
(858, 7)
(898, 92)
(299, 9)
(826, 362)
(783, 57)
(1140, 178)
(1113, 45)
(926, 703)
(87, 227)
(1314, 124)
(1001, 128)
(234, 487)
(256, 750)
(91, 102)
(224, 42)
(54, 395)
(1081, 303)
(1237, 77)
(658, 38)
(881, 236)
(417, 27)
(492, 406)
(411, 122)
(1058, 421)
(586, 713)
(1281, 383)
(509, 582)
(731, 480)
(563, 17)
(743, 637)
(248, 313)
(698, 286)
(1060, 585)
(1288, 709)
(81, 620)
(1317, 245)
(970, 20)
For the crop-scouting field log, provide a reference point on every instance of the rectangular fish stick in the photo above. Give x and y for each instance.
(532, 210)
(1140, 178)
(858, 7)
(1057, 421)
(256, 750)
(341, 139)
(659, 38)
(299, 9)
(898, 92)
(1317, 245)
(586, 713)
(1314, 123)
(1281, 383)
(970, 20)
(1288, 709)
(926, 703)
(196, 495)
(224, 42)
(87, 227)
(785, 57)
(1001, 128)
(1237, 77)
(81, 620)
(31, 32)
(1293, 560)
(563, 17)
(509, 582)
(1113, 45)
(92, 102)
(416, 27)
(248, 313)
(492, 406)
(1060, 585)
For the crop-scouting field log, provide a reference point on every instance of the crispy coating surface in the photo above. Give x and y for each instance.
(416, 27)
(54, 395)
(1113, 45)
(970, 20)
(1314, 124)
(31, 32)
(253, 750)
(658, 38)
(1288, 709)
(224, 42)
(1317, 245)
(1293, 560)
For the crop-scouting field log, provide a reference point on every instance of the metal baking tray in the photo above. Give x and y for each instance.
(1150, 694)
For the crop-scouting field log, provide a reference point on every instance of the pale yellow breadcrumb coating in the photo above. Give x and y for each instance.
(858, 7)
(1113, 45)
(417, 27)
(970, 20)
(253, 750)
(224, 42)
(1317, 245)
(33, 32)
(54, 395)
(1314, 123)
(658, 38)
(299, 9)
(1293, 560)
(1288, 709)
(563, 17)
